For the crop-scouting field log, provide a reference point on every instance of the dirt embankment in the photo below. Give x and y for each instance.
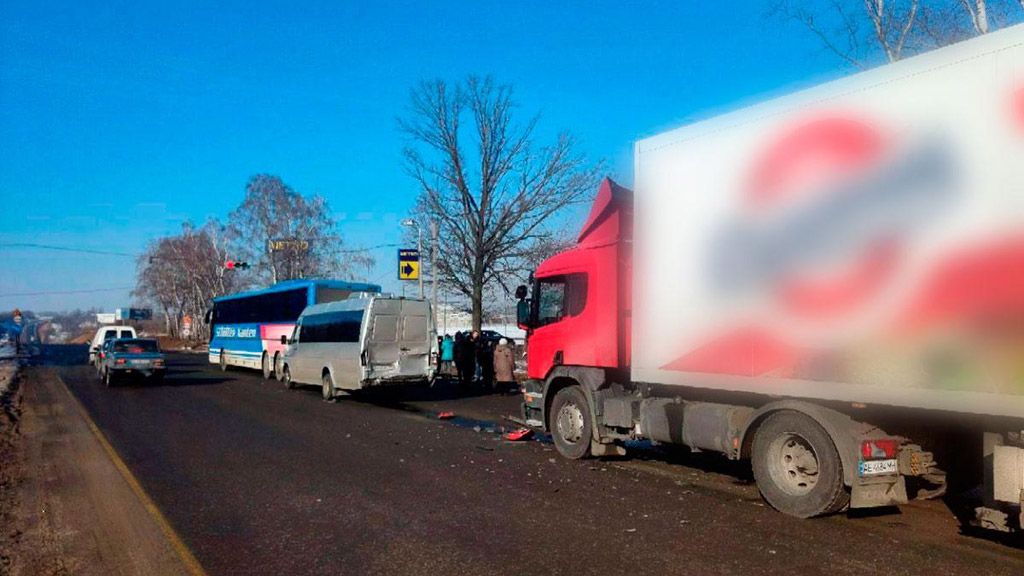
(11, 460)
(72, 506)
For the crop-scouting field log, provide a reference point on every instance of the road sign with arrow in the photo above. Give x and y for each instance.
(408, 264)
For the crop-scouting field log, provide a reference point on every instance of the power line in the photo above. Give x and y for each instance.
(65, 249)
(59, 292)
(114, 253)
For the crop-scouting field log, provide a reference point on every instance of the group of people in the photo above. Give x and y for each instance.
(473, 359)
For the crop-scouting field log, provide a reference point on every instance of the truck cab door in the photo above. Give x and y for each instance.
(558, 302)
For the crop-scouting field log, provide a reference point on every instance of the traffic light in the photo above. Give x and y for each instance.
(232, 265)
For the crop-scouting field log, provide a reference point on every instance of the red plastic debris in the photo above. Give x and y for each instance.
(520, 434)
(445, 415)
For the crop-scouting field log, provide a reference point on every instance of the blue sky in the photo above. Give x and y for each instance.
(119, 120)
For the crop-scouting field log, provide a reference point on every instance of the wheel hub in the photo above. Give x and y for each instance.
(793, 464)
(570, 423)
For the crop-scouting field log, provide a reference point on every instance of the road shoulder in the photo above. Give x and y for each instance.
(77, 512)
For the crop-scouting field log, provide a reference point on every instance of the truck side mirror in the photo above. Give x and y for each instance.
(523, 313)
(521, 292)
(284, 339)
(208, 316)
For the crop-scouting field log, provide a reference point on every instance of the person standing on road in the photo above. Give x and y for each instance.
(465, 352)
(447, 354)
(440, 340)
(485, 362)
(457, 350)
(504, 366)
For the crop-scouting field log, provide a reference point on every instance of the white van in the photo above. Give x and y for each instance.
(108, 333)
(361, 342)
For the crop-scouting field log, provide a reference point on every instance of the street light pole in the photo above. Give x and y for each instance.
(419, 246)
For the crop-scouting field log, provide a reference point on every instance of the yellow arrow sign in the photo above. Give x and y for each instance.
(408, 270)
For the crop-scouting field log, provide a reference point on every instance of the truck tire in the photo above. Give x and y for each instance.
(277, 366)
(108, 378)
(570, 423)
(797, 467)
(223, 362)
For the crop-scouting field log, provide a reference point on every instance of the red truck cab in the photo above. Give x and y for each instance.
(578, 315)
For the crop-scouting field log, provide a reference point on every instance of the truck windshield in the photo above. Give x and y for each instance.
(560, 297)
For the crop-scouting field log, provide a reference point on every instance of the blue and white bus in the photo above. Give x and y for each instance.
(246, 328)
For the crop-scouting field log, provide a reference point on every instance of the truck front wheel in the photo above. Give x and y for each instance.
(797, 467)
(570, 424)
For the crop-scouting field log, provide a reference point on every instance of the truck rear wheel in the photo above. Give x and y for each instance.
(570, 423)
(797, 467)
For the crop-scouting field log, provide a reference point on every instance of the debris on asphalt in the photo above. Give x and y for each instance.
(519, 434)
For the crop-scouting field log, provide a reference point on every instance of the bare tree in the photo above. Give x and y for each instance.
(274, 211)
(861, 33)
(181, 274)
(892, 26)
(490, 191)
(978, 12)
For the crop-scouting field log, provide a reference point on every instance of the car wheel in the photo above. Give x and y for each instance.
(797, 467)
(286, 377)
(265, 364)
(223, 362)
(327, 387)
(570, 424)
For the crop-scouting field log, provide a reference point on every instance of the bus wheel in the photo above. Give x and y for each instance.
(265, 364)
(569, 422)
(286, 377)
(223, 362)
(277, 366)
(797, 468)
(328, 387)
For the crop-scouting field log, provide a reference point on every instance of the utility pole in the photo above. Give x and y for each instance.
(433, 270)
(419, 250)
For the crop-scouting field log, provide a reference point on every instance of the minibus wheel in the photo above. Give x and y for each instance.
(328, 387)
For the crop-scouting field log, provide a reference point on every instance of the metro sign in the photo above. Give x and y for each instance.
(408, 264)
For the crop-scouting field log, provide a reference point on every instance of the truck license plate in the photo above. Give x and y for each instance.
(874, 467)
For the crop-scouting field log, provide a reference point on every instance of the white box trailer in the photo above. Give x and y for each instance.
(830, 284)
(830, 243)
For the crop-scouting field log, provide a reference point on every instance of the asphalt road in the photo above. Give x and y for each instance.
(261, 480)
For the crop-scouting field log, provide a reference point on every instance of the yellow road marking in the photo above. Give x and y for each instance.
(179, 546)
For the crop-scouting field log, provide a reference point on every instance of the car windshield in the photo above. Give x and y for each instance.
(136, 346)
